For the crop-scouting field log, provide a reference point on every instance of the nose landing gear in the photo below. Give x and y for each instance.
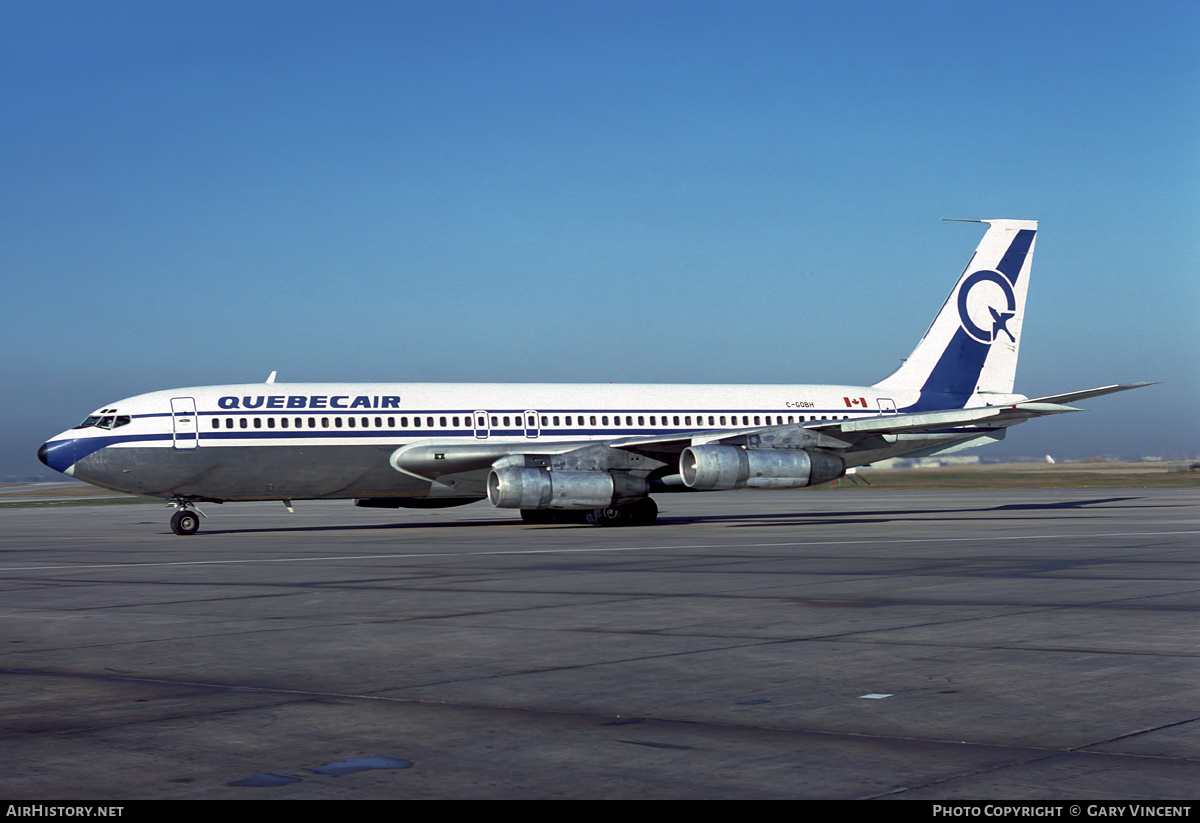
(187, 519)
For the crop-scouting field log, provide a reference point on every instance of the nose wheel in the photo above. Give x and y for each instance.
(186, 520)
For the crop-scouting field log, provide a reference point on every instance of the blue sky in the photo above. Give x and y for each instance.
(201, 192)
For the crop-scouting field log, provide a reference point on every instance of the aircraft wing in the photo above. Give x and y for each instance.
(430, 459)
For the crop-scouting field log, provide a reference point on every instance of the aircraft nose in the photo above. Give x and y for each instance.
(58, 455)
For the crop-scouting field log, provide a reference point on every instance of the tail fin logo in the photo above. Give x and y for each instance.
(984, 312)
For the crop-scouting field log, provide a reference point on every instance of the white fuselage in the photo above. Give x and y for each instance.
(321, 440)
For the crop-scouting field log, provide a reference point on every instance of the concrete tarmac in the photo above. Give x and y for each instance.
(1030, 644)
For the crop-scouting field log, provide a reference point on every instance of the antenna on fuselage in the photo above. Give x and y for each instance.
(271, 377)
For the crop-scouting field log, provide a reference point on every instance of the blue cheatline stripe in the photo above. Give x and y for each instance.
(451, 412)
(62, 454)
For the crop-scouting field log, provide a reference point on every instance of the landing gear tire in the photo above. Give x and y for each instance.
(185, 522)
(639, 513)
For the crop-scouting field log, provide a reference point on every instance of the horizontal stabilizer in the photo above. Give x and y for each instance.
(1006, 415)
(1071, 397)
(928, 421)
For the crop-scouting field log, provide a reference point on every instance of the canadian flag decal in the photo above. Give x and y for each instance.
(855, 401)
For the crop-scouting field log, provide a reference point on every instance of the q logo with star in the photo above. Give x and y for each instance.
(985, 305)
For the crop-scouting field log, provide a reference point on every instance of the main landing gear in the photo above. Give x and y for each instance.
(187, 519)
(638, 513)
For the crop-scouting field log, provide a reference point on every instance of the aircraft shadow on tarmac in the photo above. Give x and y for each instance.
(810, 518)
(980, 513)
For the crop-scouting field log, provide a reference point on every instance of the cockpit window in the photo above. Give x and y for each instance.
(107, 421)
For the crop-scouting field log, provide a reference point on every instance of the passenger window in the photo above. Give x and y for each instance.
(378, 422)
(495, 422)
(556, 420)
(641, 420)
(283, 422)
(652, 423)
(442, 420)
(324, 422)
(417, 422)
(545, 421)
(350, 422)
(676, 418)
(270, 422)
(242, 423)
(229, 422)
(593, 419)
(604, 419)
(312, 422)
(216, 423)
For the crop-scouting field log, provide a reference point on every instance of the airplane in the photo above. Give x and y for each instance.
(573, 452)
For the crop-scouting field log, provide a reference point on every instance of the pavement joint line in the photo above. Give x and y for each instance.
(599, 550)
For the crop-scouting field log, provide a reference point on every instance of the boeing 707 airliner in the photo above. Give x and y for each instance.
(562, 451)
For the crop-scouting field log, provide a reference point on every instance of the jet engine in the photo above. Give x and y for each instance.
(515, 487)
(715, 468)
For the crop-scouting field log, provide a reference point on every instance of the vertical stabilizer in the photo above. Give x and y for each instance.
(971, 347)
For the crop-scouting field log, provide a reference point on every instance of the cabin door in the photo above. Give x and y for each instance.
(185, 428)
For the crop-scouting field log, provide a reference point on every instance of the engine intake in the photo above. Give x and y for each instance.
(716, 468)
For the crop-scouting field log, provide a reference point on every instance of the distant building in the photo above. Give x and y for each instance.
(927, 462)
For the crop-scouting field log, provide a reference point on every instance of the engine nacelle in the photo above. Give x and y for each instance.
(716, 468)
(515, 487)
